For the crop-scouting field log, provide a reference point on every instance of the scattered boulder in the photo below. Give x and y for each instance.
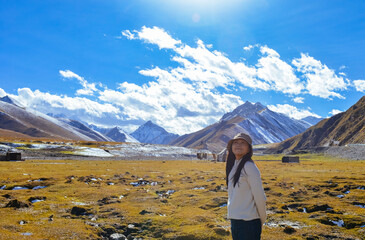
(289, 230)
(144, 212)
(7, 196)
(108, 200)
(16, 204)
(117, 236)
(79, 211)
(221, 231)
(316, 208)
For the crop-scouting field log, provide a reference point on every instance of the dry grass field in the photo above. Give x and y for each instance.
(319, 198)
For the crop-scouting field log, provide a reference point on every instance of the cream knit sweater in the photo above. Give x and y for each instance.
(247, 200)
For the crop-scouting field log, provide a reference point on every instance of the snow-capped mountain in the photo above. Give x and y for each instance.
(262, 124)
(119, 135)
(7, 99)
(22, 122)
(152, 133)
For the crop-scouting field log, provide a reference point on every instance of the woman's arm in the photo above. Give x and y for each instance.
(254, 180)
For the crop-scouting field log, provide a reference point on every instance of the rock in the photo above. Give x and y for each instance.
(16, 204)
(143, 212)
(117, 236)
(78, 211)
(221, 231)
(311, 237)
(316, 208)
(108, 200)
(6, 195)
(289, 230)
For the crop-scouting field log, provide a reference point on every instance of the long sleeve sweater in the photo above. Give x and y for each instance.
(247, 200)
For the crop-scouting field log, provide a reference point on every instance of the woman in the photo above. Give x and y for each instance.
(246, 197)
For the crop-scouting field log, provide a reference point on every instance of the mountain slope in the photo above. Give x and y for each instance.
(152, 133)
(344, 128)
(263, 125)
(82, 128)
(35, 124)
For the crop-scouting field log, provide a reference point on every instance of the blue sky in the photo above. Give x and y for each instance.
(181, 64)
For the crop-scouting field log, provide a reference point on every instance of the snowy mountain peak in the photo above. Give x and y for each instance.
(119, 135)
(7, 99)
(245, 110)
(152, 133)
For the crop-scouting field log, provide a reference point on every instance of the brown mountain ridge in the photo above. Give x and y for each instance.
(341, 129)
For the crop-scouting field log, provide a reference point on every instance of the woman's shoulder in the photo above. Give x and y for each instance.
(251, 168)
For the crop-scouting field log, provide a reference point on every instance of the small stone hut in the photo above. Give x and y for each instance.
(222, 156)
(290, 159)
(12, 156)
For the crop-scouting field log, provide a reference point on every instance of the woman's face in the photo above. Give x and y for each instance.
(239, 148)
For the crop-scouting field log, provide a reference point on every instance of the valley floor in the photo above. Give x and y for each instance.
(319, 198)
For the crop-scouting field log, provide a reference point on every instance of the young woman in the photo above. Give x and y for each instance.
(246, 197)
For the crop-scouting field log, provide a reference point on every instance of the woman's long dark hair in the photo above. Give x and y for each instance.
(230, 162)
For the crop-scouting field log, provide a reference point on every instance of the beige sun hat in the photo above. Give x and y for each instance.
(243, 136)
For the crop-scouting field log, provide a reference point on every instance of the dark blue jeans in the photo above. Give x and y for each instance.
(246, 230)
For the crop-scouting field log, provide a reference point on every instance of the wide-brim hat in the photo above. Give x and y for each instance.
(243, 136)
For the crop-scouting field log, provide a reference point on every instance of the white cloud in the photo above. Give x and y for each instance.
(342, 67)
(248, 48)
(359, 85)
(75, 107)
(321, 81)
(277, 73)
(342, 74)
(2, 93)
(153, 35)
(70, 74)
(128, 34)
(292, 111)
(298, 99)
(335, 111)
(210, 69)
(88, 88)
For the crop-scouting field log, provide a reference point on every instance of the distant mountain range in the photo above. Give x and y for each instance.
(341, 129)
(152, 133)
(262, 124)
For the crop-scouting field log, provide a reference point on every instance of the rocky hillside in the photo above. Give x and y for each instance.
(263, 125)
(341, 129)
(152, 133)
(19, 122)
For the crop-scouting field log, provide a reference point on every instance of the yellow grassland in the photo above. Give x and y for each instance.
(187, 213)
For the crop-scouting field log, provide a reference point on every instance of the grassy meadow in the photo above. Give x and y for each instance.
(319, 198)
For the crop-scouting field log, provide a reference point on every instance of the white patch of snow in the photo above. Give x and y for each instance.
(79, 203)
(94, 152)
(39, 187)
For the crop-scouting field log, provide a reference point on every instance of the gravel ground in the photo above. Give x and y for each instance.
(350, 152)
